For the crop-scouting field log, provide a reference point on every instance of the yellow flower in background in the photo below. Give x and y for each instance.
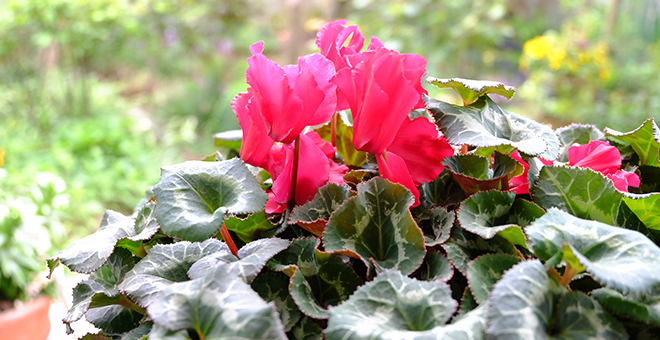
(2, 157)
(537, 47)
(556, 57)
(604, 73)
(600, 53)
(583, 58)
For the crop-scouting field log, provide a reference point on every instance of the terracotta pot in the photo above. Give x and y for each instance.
(27, 322)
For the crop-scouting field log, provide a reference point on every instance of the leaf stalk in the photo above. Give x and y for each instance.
(294, 174)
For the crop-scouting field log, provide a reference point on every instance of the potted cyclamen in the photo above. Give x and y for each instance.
(349, 215)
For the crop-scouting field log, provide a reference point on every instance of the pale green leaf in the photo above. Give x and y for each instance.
(470, 90)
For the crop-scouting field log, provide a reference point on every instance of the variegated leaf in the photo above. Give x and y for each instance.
(274, 287)
(473, 172)
(393, 306)
(581, 317)
(444, 191)
(252, 257)
(314, 215)
(90, 253)
(470, 90)
(193, 197)
(164, 265)
(618, 258)
(645, 140)
(483, 124)
(438, 227)
(216, 306)
(377, 225)
(436, 266)
(576, 133)
(318, 279)
(162, 333)
(463, 247)
(254, 227)
(641, 308)
(306, 329)
(485, 271)
(139, 333)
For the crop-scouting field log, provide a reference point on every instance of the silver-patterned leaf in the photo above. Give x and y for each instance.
(306, 329)
(576, 133)
(440, 222)
(274, 287)
(252, 257)
(164, 265)
(315, 214)
(643, 308)
(618, 258)
(581, 317)
(463, 247)
(193, 197)
(217, 306)
(485, 271)
(436, 266)
(393, 306)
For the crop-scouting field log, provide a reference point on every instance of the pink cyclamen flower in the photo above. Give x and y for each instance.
(520, 184)
(604, 158)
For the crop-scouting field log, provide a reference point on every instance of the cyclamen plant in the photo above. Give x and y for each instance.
(350, 216)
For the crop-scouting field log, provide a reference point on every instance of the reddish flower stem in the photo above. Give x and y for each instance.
(229, 240)
(464, 149)
(294, 174)
(333, 129)
(569, 273)
(505, 183)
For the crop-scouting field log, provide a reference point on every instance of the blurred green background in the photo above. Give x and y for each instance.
(96, 95)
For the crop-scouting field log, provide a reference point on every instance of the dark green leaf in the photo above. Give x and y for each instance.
(318, 280)
(253, 227)
(218, 305)
(645, 140)
(314, 215)
(473, 172)
(485, 271)
(343, 140)
(576, 133)
(581, 317)
(193, 197)
(436, 266)
(306, 329)
(468, 303)
(274, 286)
(440, 222)
(377, 225)
(229, 139)
(164, 265)
(444, 191)
(162, 333)
(650, 178)
(639, 308)
(463, 247)
(252, 257)
(647, 209)
(139, 333)
(114, 318)
(612, 255)
(484, 124)
(471, 90)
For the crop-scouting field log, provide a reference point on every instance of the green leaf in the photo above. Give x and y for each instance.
(306, 329)
(343, 140)
(114, 318)
(252, 257)
(581, 317)
(440, 222)
(218, 305)
(436, 266)
(523, 303)
(484, 124)
(467, 304)
(576, 133)
(473, 172)
(639, 308)
(314, 215)
(354, 177)
(90, 253)
(647, 209)
(471, 90)
(393, 306)
(444, 191)
(164, 265)
(318, 279)
(377, 225)
(193, 197)
(162, 333)
(487, 214)
(254, 227)
(645, 140)
(139, 333)
(231, 139)
(485, 271)
(650, 178)
(463, 247)
(146, 224)
(612, 255)
(274, 287)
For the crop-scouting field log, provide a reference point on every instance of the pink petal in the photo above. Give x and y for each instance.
(623, 179)
(395, 170)
(318, 92)
(519, 184)
(414, 69)
(273, 207)
(597, 155)
(256, 142)
(331, 38)
(337, 172)
(326, 147)
(419, 144)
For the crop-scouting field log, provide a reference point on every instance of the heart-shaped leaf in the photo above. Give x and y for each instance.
(619, 258)
(445, 190)
(274, 287)
(231, 139)
(439, 226)
(473, 172)
(318, 279)
(216, 306)
(470, 90)
(377, 225)
(463, 247)
(306, 329)
(90, 253)
(581, 317)
(254, 227)
(161, 333)
(164, 265)
(485, 271)
(645, 140)
(647, 209)
(343, 140)
(393, 306)
(576, 133)
(435, 267)
(193, 197)
(484, 124)
(252, 257)
(314, 215)
(639, 308)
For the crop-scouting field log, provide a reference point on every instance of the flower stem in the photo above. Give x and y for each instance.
(569, 272)
(464, 149)
(333, 129)
(294, 174)
(505, 183)
(229, 240)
